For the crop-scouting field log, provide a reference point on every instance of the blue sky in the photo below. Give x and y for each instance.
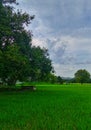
(64, 27)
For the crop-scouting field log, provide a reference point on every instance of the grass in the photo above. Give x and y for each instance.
(51, 107)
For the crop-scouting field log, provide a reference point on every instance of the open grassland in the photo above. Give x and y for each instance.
(50, 107)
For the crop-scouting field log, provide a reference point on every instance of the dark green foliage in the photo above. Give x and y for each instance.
(72, 80)
(14, 62)
(52, 78)
(13, 65)
(18, 59)
(41, 64)
(82, 76)
(12, 28)
(60, 80)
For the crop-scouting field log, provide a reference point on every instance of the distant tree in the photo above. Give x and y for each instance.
(72, 80)
(82, 76)
(52, 78)
(59, 80)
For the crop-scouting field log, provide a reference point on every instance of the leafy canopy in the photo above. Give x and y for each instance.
(82, 76)
(19, 60)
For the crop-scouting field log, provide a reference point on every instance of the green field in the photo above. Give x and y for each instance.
(50, 107)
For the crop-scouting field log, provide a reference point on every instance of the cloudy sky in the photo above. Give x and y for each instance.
(64, 27)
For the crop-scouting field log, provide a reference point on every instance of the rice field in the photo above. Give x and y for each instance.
(50, 107)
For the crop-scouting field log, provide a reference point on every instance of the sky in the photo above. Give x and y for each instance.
(64, 28)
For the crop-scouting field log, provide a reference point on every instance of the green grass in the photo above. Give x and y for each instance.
(51, 107)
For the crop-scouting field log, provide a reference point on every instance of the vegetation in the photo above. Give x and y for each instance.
(50, 107)
(82, 76)
(19, 60)
(58, 103)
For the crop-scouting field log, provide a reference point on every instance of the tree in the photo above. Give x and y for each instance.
(12, 28)
(13, 65)
(40, 63)
(15, 44)
(52, 78)
(59, 80)
(18, 59)
(82, 76)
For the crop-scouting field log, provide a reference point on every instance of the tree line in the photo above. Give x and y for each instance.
(80, 76)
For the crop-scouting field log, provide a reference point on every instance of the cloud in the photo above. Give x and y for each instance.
(60, 13)
(64, 27)
(63, 16)
(67, 47)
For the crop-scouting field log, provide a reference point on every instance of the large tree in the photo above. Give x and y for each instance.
(82, 76)
(18, 58)
(15, 44)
